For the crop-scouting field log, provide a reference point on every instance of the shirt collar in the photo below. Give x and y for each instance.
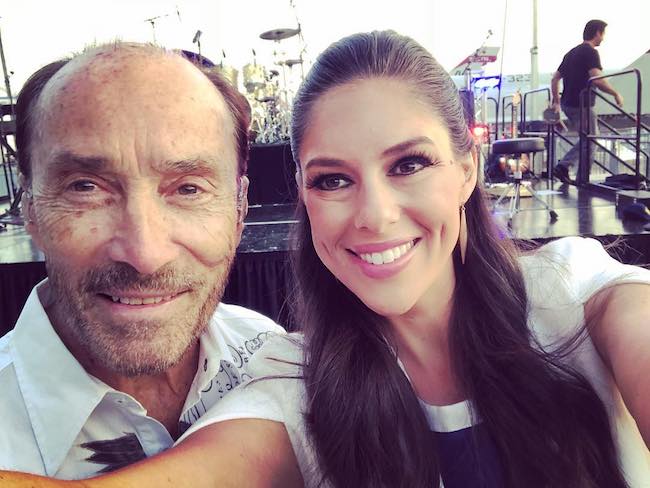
(213, 349)
(59, 394)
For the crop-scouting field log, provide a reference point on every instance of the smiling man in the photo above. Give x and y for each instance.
(133, 164)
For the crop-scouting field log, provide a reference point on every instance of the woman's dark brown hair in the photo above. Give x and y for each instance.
(549, 427)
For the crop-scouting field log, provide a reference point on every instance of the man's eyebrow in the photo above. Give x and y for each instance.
(403, 146)
(67, 161)
(201, 166)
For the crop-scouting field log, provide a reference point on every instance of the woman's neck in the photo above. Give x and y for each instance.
(422, 340)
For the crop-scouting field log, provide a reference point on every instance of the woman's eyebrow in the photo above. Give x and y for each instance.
(403, 146)
(325, 163)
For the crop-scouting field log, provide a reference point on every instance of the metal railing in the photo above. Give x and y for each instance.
(587, 139)
(525, 101)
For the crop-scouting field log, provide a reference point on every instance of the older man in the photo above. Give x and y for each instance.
(133, 165)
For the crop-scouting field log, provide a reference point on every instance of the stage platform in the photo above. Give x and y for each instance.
(260, 277)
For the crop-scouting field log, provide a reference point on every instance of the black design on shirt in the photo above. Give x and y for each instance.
(115, 453)
(230, 375)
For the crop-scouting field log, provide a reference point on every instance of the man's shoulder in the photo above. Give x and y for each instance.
(236, 315)
(578, 50)
(585, 49)
(5, 351)
(18, 447)
(235, 322)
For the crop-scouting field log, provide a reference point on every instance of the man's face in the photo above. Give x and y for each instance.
(135, 187)
(600, 37)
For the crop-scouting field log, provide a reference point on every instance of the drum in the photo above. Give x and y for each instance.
(266, 93)
(229, 73)
(254, 77)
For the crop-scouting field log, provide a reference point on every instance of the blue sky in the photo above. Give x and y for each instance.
(36, 32)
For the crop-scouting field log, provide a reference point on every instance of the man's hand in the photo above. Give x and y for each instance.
(619, 99)
(556, 106)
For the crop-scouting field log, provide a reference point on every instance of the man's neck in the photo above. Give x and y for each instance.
(162, 395)
(592, 43)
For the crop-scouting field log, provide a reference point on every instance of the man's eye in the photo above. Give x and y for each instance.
(83, 186)
(188, 190)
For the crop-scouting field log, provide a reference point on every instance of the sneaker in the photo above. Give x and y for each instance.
(562, 173)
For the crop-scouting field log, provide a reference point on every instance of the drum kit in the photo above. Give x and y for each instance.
(268, 89)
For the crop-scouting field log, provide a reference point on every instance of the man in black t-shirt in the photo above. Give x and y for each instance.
(579, 64)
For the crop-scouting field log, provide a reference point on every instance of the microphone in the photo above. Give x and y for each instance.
(197, 36)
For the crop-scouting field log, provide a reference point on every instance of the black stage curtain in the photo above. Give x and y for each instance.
(16, 282)
(271, 172)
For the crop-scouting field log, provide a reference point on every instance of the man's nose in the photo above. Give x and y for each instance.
(377, 207)
(143, 235)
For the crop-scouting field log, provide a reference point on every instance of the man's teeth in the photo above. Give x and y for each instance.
(387, 256)
(141, 301)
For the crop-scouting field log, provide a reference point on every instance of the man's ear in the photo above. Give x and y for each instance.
(28, 212)
(242, 202)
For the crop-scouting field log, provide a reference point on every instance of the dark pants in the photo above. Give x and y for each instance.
(573, 114)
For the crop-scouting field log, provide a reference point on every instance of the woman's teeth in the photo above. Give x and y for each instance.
(387, 256)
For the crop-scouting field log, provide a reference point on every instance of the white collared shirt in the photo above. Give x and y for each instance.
(59, 421)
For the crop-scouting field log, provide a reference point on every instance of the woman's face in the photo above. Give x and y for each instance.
(383, 187)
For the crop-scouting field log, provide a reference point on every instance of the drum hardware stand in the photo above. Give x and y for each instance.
(6, 151)
(303, 50)
(197, 41)
(515, 181)
(152, 21)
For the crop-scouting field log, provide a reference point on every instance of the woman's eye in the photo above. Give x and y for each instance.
(408, 167)
(330, 182)
(83, 186)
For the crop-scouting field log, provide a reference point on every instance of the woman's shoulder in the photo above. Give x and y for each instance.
(573, 251)
(575, 268)
(562, 276)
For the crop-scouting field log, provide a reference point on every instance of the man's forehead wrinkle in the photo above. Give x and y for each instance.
(109, 71)
(101, 83)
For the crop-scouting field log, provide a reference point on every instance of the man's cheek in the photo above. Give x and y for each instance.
(210, 241)
(72, 232)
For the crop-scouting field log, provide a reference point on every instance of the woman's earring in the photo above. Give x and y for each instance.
(462, 236)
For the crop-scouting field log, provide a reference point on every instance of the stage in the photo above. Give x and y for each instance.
(260, 277)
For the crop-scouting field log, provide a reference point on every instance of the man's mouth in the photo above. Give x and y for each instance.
(140, 300)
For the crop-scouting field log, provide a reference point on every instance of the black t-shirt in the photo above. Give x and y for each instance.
(575, 72)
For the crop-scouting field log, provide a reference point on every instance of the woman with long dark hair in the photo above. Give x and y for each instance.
(430, 349)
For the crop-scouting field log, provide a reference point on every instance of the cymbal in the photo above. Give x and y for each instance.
(279, 34)
(289, 62)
